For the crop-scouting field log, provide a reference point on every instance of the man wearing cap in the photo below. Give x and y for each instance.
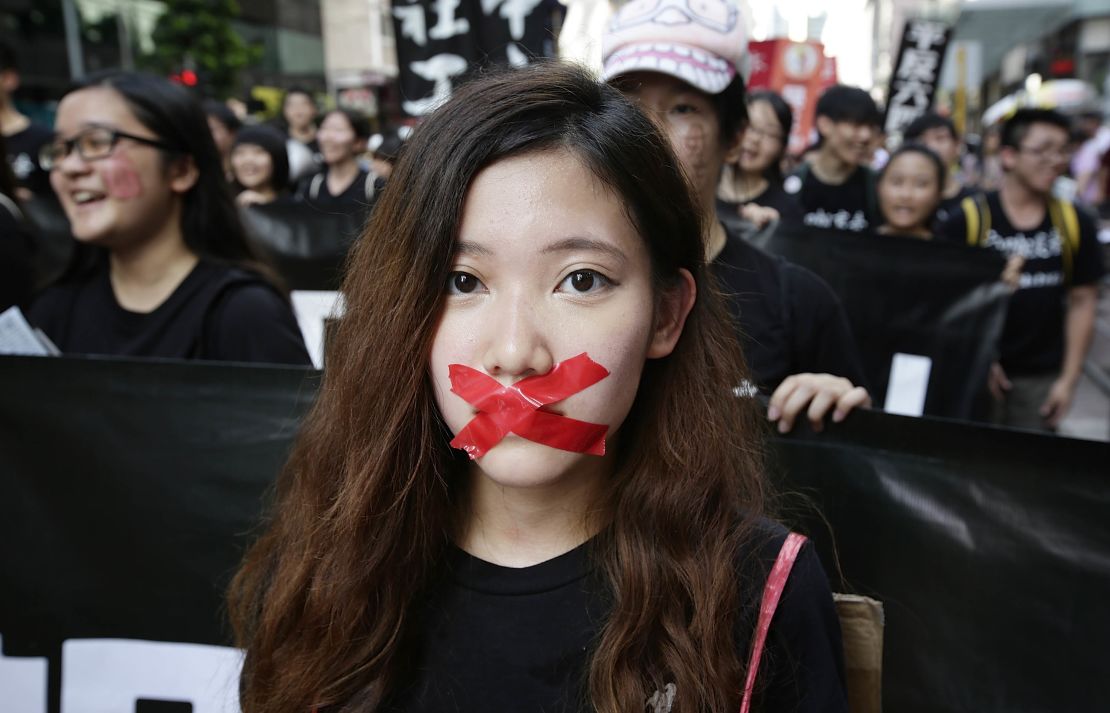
(681, 62)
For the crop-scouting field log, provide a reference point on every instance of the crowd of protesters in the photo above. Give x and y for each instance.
(148, 246)
(540, 214)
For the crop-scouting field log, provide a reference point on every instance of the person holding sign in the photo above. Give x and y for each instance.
(527, 484)
(163, 267)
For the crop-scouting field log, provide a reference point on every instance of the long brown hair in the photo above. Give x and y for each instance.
(325, 601)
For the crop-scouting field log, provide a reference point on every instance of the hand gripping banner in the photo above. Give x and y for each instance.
(516, 409)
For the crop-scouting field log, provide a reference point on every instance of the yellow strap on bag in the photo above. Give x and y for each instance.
(1066, 222)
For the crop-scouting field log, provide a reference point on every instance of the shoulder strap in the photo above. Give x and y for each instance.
(314, 186)
(772, 592)
(873, 213)
(1066, 222)
(219, 292)
(971, 217)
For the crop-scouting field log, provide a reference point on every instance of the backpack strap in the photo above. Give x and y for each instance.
(1066, 222)
(972, 219)
(314, 186)
(977, 215)
(873, 212)
(772, 593)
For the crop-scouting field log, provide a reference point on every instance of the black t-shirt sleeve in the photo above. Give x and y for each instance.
(1088, 267)
(803, 662)
(252, 323)
(823, 341)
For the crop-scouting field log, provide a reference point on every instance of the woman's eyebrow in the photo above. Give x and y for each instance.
(586, 244)
(465, 247)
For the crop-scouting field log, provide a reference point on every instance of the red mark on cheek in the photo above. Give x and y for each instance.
(121, 180)
(516, 409)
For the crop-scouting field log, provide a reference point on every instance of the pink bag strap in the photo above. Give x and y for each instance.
(772, 592)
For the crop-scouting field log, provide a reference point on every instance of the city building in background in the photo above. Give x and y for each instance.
(58, 40)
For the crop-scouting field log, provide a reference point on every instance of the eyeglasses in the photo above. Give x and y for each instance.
(1042, 153)
(92, 144)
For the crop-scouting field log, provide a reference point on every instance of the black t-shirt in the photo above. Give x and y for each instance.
(773, 196)
(356, 199)
(1033, 338)
(519, 639)
(850, 206)
(790, 320)
(217, 313)
(16, 252)
(23, 156)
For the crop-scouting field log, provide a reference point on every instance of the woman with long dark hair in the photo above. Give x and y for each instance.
(602, 551)
(165, 269)
(753, 184)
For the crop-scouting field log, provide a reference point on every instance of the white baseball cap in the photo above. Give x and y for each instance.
(701, 42)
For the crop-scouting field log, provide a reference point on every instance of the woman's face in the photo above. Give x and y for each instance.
(763, 139)
(299, 110)
(548, 267)
(337, 139)
(909, 192)
(127, 196)
(253, 167)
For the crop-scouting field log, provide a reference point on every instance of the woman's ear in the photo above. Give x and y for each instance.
(670, 315)
(183, 174)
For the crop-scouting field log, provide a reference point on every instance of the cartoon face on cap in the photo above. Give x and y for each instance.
(716, 15)
(701, 42)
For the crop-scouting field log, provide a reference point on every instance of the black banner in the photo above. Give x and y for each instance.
(439, 41)
(128, 490)
(913, 297)
(916, 74)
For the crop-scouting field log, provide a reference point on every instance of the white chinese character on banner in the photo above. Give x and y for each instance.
(413, 25)
(918, 64)
(926, 34)
(516, 56)
(912, 93)
(439, 69)
(515, 11)
(448, 25)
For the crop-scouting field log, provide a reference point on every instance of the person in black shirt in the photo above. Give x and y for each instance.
(22, 138)
(298, 121)
(706, 131)
(165, 269)
(1050, 322)
(752, 188)
(443, 543)
(909, 187)
(837, 188)
(938, 133)
(343, 185)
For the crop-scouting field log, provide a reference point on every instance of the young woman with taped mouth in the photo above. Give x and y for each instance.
(162, 266)
(526, 484)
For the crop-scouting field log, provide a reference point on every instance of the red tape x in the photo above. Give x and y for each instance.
(516, 409)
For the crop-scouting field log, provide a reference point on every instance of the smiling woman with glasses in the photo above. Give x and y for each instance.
(162, 266)
(752, 186)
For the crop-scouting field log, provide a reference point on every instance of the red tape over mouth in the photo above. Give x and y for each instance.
(516, 408)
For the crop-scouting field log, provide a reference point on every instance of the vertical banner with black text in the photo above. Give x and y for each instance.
(439, 41)
(913, 83)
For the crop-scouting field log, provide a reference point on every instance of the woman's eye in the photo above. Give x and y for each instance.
(584, 281)
(685, 109)
(462, 283)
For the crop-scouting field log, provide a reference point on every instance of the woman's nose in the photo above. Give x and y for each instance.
(517, 344)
